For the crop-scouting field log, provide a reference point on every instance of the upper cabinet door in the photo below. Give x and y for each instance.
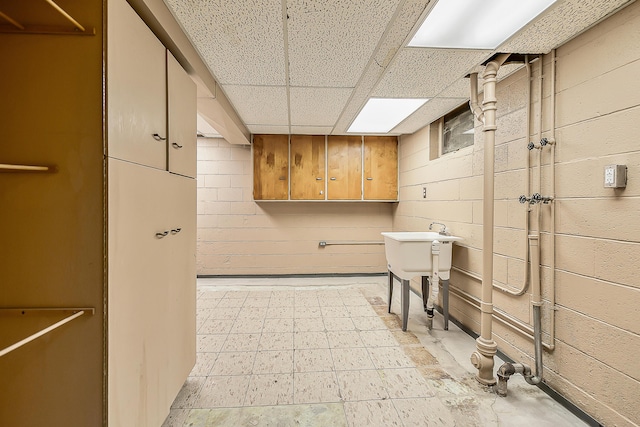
(307, 167)
(344, 159)
(136, 89)
(380, 168)
(182, 111)
(270, 167)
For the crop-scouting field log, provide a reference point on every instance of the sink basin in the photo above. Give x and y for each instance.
(409, 253)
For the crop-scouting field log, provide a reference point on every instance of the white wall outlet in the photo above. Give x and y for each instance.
(615, 176)
(424, 192)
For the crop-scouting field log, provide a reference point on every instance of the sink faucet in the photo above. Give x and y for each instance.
(443, 229)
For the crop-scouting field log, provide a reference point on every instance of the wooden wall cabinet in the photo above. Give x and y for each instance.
(307, 162)
(271, 167)
(344, 167)
(380, 168)
(334, 167)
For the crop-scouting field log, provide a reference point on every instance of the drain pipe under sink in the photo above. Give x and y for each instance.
(507, 369)
(435, 281)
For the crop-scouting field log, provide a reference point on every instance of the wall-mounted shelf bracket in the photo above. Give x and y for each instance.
(18, 28)
(24, 168)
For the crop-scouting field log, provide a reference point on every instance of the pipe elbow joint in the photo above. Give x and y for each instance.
(506, 370)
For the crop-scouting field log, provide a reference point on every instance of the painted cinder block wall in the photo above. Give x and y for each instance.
(597, 242)
(238, 236)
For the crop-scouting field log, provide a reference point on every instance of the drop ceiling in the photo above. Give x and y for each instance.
(309, 66)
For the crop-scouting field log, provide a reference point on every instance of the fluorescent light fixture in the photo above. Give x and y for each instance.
(475, 24)
(380, 115)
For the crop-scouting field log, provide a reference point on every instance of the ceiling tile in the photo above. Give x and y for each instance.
(317, 106)
(429, 112)
(242, 42)
(332, 41)
(419, 72)
(260, 105)
(559, 24)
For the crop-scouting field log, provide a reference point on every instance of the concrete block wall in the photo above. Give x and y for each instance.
(237, 236)
(597, 241)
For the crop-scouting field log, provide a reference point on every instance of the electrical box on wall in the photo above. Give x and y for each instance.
(615, 176)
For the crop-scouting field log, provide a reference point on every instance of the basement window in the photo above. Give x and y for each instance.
(457, 129)
(451, 132)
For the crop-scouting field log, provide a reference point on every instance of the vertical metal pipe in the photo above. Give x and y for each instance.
(552, 232)
(536, 294)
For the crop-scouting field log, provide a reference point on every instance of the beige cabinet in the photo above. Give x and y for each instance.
(151, 295)
(271, 167)
(380, 168)
(181, 116)
(136, 82)
(151, 223)
(307, 160)
(344, 168)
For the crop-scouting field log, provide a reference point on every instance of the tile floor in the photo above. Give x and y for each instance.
(325, 352)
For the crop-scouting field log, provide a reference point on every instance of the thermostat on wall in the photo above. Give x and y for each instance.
(615, 176)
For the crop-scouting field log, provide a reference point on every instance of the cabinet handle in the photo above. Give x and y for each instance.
(283, 178)
(333, 178)
(176, 145)
(318, 179)
(176, 230)
(369, 179)
(161, 235)
(157, 137)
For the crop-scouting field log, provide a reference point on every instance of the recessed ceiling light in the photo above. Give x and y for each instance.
(380, 115)
(475, 24)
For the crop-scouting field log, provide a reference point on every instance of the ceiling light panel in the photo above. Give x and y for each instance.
(240, 40)
(426, 72)
(330, 42)
(260, 105)
(473, 24)
(380, 115)
(317, 106)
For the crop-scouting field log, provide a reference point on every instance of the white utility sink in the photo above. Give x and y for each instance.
(409, 254)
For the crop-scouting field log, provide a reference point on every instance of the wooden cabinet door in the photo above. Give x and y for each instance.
(137, 294)
(181, 116)
(380, 168)
(307, 167)
(344, 174)
(136, 89)
(271, 167)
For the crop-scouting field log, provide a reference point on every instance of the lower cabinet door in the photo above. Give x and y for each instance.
(143, 287)
(180, 332)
